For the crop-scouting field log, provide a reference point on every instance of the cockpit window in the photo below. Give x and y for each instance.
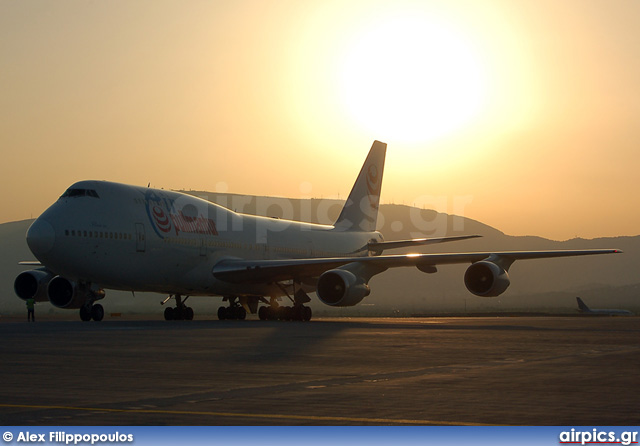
(73, 192)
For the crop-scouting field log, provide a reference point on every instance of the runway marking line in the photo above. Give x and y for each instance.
(252, 415)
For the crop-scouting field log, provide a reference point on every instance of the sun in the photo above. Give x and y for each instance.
(411, 79)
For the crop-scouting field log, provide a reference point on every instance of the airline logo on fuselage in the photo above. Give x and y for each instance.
(373, 186)
(166, 220)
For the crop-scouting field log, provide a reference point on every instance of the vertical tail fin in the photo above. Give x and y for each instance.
(360, 212)
(582, 306)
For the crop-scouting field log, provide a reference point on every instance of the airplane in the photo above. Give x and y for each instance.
(103, 235)
(584, 309)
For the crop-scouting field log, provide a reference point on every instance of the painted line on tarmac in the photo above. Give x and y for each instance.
(253, 415)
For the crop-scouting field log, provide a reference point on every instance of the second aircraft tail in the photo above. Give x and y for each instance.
(582, 306)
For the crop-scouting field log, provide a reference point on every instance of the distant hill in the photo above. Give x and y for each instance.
(610, 281)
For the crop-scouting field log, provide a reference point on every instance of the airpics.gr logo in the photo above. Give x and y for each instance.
(165, 219)
(596, 436)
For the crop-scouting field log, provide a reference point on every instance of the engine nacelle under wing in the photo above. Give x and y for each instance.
(32, 284)
(341, 288)
(63, 293)
(486, 279)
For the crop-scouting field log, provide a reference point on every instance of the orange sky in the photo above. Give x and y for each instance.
(526, 112)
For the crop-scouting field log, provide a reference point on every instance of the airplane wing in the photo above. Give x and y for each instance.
(260, 271)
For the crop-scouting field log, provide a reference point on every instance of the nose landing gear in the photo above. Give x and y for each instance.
(88, 312)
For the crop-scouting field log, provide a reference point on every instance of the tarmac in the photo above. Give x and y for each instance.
(570, 371)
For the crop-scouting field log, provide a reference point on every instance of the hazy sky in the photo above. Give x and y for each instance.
(524, 115)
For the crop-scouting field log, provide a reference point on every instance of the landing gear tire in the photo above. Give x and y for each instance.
(85, 313)
(178, 314)
(97, 312)
(232, 313)
(88, 312)
(296, 313)
(270, 313)
(241, 313)
(289, 314)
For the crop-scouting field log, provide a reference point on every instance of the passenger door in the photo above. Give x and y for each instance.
(140, 238)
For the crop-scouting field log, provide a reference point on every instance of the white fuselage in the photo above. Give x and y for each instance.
(127, 237)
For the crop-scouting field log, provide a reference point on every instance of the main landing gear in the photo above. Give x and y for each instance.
(297, 312)
(238, 306)
(278, 313)
(178, 313)
(232, 313)
(235, 310)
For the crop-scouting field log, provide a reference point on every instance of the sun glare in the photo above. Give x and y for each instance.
(411, 80)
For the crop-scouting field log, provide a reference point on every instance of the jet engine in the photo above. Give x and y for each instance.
(486, 279)
(32, 284)
(341, 288)
(64, 293)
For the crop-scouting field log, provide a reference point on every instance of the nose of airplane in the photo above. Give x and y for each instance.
(40, 237)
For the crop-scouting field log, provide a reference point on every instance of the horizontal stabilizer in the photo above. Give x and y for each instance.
(378, 247)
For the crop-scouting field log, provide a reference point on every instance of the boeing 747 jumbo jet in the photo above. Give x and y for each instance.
(101, 235)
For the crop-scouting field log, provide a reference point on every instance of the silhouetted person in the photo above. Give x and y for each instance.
(31, 316)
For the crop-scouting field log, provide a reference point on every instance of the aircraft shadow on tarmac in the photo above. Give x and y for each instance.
(276, 341)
